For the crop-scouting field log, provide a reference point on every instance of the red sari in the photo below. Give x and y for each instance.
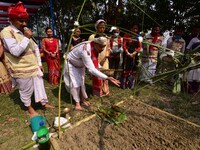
(51, 45)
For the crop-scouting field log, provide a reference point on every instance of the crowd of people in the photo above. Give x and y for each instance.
(127, 55)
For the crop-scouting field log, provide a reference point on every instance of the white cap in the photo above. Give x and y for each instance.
(100, 40)
(140, 39)
(113, 28)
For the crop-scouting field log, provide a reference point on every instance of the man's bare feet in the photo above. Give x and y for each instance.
(48, 106)
(78, 107)
(196, 102)
(86, 103)
(107, 93)
(31, 112)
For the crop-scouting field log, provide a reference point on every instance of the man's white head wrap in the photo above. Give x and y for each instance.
(100, 40)
(98, 22)
(113, 28)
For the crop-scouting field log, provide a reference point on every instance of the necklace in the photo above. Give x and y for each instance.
(50, 39)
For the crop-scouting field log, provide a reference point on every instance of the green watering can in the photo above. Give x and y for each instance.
(43, 134)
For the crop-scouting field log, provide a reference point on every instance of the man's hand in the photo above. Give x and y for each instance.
(114, 81)
(42, 69)
(27, 32)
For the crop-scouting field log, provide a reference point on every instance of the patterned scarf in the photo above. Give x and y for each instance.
(119, 42)
(94, 55)
(96, 82)
(155, 38)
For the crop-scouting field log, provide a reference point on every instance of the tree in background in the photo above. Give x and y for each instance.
(122, 13)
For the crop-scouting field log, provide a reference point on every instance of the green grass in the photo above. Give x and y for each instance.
(15, 133)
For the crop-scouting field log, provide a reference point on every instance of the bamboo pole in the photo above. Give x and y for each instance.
(59, 93)
(174, 116)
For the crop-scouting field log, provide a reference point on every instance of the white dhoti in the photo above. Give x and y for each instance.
(192, 75)
(148, 71)
(74, 79)
(29, 85)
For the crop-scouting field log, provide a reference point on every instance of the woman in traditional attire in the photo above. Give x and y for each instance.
(50, 46)
(116, 51)
(130, 58)
(100, 87)
(5, 78)
(76, 39)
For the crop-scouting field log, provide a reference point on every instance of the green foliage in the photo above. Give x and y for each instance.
(167, 13)
(122, 13)
(15, 133)
(113, 114)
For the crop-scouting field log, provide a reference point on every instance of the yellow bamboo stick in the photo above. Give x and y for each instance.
(169, 114)
(87, 119)
(119, 103)
(59, 93)
(54, 144)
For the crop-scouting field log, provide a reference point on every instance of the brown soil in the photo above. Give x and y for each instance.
(146, 128)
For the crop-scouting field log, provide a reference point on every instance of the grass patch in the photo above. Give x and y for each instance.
(15, 133)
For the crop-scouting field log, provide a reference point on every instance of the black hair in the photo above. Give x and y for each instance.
(134, 24)
(155, 26)
(180, 27)
(47, 28)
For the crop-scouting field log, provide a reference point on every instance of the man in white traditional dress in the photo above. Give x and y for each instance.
(150, 53)
(193, 76)
(175, 45)
(84, 55)
(22, 58)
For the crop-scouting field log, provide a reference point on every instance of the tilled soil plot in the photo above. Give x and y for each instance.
(145, 128)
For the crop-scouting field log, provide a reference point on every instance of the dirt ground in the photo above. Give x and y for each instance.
(146, 128)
